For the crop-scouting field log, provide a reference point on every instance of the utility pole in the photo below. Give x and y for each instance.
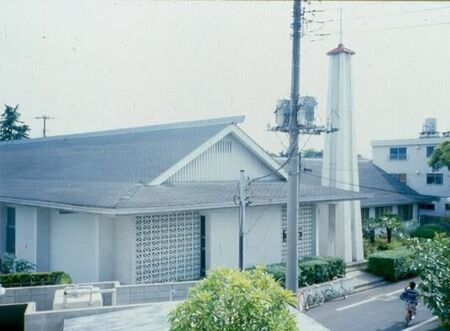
(242, 203)
(44, 118)
(293, 157)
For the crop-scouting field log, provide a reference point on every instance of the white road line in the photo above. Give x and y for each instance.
(379, 296)
(388, 299)
(421, 324)
(356, 304)
(394, 292)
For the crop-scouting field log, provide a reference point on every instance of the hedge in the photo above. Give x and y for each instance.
(428, 231)
(312, 270)
(391, 264)
(20, 279)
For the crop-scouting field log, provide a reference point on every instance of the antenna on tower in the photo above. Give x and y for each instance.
(340, 25)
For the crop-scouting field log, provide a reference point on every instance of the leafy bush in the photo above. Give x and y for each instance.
(380, 244)
(312, 270)
(428, 231)
(432, 262)
(9, 264)
(19, 279)
(229, 300)
(391, 264)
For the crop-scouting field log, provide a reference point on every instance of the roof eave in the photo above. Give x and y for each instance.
(149, 210)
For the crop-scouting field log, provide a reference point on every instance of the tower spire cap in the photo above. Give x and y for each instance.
(341, 49)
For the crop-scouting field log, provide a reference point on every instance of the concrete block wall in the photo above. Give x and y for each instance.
(43, 295)
(143, 293)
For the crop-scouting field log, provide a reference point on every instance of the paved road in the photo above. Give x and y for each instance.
(378, 309)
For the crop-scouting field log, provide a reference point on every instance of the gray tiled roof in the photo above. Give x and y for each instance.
(385, 189)
(133, 155)
(110, 171)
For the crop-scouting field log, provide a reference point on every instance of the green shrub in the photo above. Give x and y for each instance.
(428, 231)
(19, 279)
(228, 300)
(380, 244)
(432, 262)
(391, 264)
(312, 270)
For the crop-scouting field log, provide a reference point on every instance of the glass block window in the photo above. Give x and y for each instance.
(397, 153)
(168, 247)
(305, 231)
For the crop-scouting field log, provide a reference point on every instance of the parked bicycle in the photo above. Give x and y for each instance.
(313, 298)
(333, 292)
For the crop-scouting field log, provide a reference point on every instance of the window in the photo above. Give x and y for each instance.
(435, 179)
(447, 206)
(400, 177)
(405, 212)
(284, 235)
(430, 150)
(11, 230)
(426, 206)
(397, 153)
(381, 211)
(364, 213)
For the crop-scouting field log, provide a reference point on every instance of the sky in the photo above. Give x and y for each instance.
(98, 65)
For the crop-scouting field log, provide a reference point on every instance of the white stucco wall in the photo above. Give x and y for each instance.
(26, 233)
(262, 240)
(106, 248)
(43, 239)
(74, 245)
(125, 249)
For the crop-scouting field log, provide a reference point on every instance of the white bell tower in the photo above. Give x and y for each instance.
(340, 164)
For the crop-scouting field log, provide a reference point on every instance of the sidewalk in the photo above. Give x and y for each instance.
(305, 322)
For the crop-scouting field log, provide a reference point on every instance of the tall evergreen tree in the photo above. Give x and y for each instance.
(11, 128)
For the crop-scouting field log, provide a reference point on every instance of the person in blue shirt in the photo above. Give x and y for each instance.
(411, 296)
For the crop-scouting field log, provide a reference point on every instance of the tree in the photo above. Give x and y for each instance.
(432, 262)
(391, 222)
(11, 128)
(441, 156)
(312, 153)
(229, 300)
(370, 225)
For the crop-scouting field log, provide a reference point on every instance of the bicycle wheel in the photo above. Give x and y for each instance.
(309, 302)
(328, 295)
(319, 299)
(301, 301)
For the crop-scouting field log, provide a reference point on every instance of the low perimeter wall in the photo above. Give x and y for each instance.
(43, 295)
(54, 320)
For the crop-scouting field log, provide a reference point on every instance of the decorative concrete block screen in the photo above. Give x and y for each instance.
(167, 247)
(305, 231)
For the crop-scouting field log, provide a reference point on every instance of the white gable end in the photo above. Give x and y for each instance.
(222, 162)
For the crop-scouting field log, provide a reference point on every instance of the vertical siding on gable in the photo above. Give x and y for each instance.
(222, 162)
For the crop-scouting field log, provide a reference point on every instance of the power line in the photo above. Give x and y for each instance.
(369, 187)
(395, 28)
(399, 13)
